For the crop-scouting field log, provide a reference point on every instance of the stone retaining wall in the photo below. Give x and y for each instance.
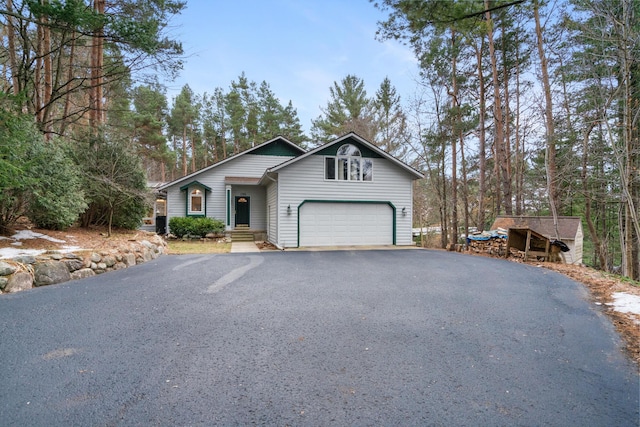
(25, 272)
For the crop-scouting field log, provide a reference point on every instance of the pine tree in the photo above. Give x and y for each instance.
(391, 120)
(348, 110)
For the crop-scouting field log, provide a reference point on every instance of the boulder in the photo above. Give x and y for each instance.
(129, 259)
(109, 260)
(147, 255)
(73, 264)
(3, 282)
(25, 259)
(50, 273)
(95, 257)
(147, 244)
(6, 269)
(19, 281)
(83, 273)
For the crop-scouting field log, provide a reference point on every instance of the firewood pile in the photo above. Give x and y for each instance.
(492, 242)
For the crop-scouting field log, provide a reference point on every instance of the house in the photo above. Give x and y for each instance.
(347, 192)
(569, 231)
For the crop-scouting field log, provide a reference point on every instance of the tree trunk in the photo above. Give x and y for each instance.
(13, 63)
(482, 153)
(550, 153)
(48, 77)
(454, 152)
(499, 142)
(184, 151)
(519, 145)
(97, 61)
(597, 244)
(193, 150)
(70, 75)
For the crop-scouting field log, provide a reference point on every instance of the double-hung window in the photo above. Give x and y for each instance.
(196, 205)
(348, 165)
(196, 198)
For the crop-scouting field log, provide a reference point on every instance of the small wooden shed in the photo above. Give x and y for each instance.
(569, 231)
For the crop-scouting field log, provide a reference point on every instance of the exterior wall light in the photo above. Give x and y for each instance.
(404, 211)
(289, 210)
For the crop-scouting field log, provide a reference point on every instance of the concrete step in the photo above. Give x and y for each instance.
(242, 236)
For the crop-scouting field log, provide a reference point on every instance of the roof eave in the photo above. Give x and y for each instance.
(235, 156)
(384, 154)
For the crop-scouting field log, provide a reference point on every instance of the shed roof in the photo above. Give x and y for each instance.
(568, 226)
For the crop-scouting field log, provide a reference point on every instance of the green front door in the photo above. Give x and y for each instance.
(242, 211)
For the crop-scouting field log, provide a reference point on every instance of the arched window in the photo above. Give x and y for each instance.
(348, 165)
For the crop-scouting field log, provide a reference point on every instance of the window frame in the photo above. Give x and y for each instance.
(190, 196)
(344, 165)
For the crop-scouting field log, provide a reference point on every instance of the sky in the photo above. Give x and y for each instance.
(299, 47)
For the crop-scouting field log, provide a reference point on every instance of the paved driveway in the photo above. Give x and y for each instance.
(314, 338)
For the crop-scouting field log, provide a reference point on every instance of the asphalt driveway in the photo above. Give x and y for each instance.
(314, 338)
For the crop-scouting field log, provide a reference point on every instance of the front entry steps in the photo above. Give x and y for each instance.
(243, 233)
(242, 236)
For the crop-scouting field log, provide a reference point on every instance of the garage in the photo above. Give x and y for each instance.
(346, 224)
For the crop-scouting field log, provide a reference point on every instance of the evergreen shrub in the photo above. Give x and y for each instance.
(194, 226)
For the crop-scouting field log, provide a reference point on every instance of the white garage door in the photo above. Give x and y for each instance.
(343, 224)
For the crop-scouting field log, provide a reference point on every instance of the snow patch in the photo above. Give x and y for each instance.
(626, 303)
(13, 252)
(67, 248)
(28, 234)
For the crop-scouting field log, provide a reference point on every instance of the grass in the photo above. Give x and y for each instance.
(181, 247)
(623, 279)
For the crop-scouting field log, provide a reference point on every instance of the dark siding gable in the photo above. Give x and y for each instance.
(333, 149)
(277, 148)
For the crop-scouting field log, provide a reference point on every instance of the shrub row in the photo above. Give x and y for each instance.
(194, 226)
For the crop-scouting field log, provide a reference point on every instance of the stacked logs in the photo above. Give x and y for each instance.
(492, 242)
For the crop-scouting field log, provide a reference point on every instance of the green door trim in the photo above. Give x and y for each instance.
(228, 207)
(366, 202)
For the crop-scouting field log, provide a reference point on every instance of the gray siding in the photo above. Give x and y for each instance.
(257, 198)
(304, 180)
(272, 209)
(250, 165)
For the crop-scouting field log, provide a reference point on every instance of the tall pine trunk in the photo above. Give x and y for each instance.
(11, 41)
(96, 116)
(482, 153)
(499, 139)
(550, 153)
(456, 126)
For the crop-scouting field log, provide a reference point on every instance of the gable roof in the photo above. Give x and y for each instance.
(350, 136)
(279, 143)
(194, 183)
(567, 225)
